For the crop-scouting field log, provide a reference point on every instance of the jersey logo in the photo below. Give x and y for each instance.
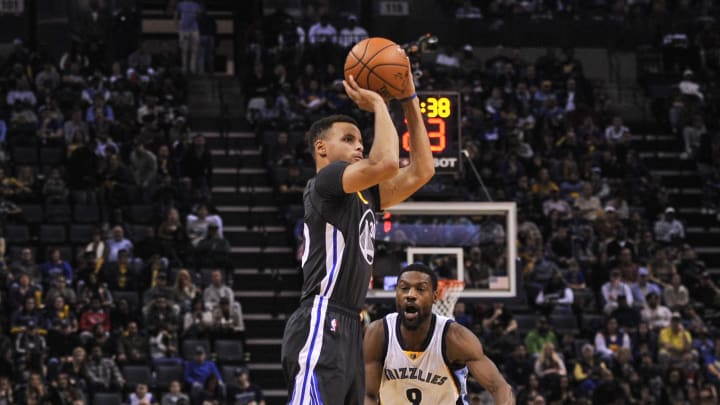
(333, 325)
(367, 236)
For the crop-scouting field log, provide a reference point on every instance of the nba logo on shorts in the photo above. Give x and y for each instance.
(333, 325)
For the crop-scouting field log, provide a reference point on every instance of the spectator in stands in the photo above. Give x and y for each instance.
(57, 266)
(322, 31)
(211, 392)
(25, 315)
(588, 204)
(711, 362)
(30, 348)
(173, 239)
(353, 33)
(675, 294)
(196, 165)
(117, 243)
(60, 288)
(243, 390)
(55, 190)
(199, 369)
(656, 315)
(669, 229)
(197, 321)
(141, 57)
(661, 268)
(164, 344)
(608, 390)
(217, 290)
(197, 225)
(213, 250)
(132, 348)
(674, 343)
(62, 327)
(227, 321)
(519, 366)
(185, 290)
(142, 395)
(549, 367)
(94, 315)
(63, 392)
(22, 289)
(76, 368)
(143, 164)
(614, 288)
(692, 135)
(92, 287)
(26, 264)
(159, 312)
(536, 338)
(103, 374)
(175, 395)
(555, 297)
(121, 275)
(627, 316)
(186, 17)
(609, 340)
(587, 371)
(160, 289)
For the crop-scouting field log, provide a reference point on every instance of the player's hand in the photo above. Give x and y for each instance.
(366, 100)
(409, 89)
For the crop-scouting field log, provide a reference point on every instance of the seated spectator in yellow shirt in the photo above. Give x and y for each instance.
(675, 343)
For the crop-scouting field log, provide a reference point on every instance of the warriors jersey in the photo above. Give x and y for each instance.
(339, 234)
(424, 377)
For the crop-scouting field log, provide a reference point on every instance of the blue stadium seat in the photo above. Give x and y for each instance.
(165, 374)
(230, 351)
(57, 213)
(53, 234)
(135, 374)
(25, 155)
(86, 213)
(33, 213)
(188, 347)
(17, 233)
(107, 398)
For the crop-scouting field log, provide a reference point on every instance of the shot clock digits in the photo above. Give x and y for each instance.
(441, 112)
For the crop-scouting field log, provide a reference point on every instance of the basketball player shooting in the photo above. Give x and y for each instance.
(416, 357)
(322, 343)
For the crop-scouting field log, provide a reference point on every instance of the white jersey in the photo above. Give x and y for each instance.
(423, 377)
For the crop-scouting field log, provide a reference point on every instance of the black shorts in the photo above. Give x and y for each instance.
(322, 355)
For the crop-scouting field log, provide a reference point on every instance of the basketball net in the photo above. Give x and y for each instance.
(448, 294)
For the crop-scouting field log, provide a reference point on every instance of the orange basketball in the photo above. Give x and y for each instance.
(378, 64)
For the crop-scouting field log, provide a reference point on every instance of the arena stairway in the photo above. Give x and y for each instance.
(661, 153)
(266, 279)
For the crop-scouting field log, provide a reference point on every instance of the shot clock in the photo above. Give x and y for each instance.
(441, 112)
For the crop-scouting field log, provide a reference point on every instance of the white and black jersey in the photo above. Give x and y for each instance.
(422, 377)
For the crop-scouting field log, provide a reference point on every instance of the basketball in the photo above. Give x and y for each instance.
(378, 64)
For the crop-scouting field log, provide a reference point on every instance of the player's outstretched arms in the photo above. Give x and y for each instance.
(382, 162)
(373, 345)
(463, 347)
(422, 166)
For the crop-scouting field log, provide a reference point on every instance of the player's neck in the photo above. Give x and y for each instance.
(415, 339)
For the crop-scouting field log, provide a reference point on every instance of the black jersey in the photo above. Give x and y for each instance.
(339, 235)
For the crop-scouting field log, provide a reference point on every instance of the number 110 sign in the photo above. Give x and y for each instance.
(441, 113)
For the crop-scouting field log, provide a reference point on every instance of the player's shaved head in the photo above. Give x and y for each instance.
(421, 268)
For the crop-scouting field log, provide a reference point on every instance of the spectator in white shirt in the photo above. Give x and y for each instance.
(669, 228)
(676, 295)
(117, 243)
(322, 31)
(657, 316)
(689, 87)
(21, 94)
(643, 288)
(352, 34)
(614, 288)
(217, 290)
(197, 225)
(617, 132)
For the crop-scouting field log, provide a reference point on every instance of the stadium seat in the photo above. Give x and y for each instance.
(52, 234)
(52, 155)
(228, 373)
(593, 322)
(141, 214)
(564, 323)
(81, 234)
(130, 296)
(86, 213)
(25, 155)
(136, 374)
(526, 322)
(229, 351)
(140, 233)
(33, 213)
(57, 213)
(165, 374)
(107, 398)
(188, 347)
(17, 233)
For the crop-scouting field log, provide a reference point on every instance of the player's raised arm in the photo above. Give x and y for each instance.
(373, 347)
(464, 347)
(421, 167)
(382, 162)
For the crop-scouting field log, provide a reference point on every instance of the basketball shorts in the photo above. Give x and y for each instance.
(322, 355)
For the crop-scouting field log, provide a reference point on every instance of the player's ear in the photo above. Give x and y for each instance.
(320, 148)
(435, 296)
